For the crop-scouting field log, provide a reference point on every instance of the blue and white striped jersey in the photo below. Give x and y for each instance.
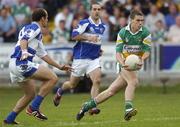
(87, 49)
(31, 33)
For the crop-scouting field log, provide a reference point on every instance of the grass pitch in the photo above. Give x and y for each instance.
(155, 109)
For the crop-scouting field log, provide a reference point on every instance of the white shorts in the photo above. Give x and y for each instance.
(84, 66)
(21, 70)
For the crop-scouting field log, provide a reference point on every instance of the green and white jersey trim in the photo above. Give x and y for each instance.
(128, 28)
(119, 40)
(147, 40)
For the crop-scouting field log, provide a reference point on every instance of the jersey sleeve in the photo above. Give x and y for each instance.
(30, 32)
(119, 42)
(147, 43)
(41, 52)
(81, 27)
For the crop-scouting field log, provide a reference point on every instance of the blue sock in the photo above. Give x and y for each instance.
(36, 102)
(11, 117)
(60, 91)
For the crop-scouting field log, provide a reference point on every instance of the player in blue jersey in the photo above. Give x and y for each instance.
(24, 71)
(86, 54)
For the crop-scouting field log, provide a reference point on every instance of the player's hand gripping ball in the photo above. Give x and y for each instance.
(132, 62)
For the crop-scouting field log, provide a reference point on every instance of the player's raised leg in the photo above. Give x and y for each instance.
(132, 82)
(115, 87)
(103, 96)
(49, 80)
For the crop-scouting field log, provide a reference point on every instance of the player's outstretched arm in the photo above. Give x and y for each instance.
(50, 61)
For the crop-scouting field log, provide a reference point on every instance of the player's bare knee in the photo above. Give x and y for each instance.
(97, 81)
(73, 85)
(31, 94)
(135, 82)
(54, 79)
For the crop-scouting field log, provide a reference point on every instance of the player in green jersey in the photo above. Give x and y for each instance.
(132, 39)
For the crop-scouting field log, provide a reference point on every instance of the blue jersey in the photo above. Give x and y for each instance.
(31, 33)
(87, 49)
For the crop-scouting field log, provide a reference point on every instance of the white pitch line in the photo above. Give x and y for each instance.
(84, 123)
(162, 119)
(74, 123)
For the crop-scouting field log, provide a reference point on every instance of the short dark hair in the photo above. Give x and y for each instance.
(134, 13)
(98, 3)
(38, 14)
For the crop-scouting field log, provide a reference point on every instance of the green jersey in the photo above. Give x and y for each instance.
(133, 43)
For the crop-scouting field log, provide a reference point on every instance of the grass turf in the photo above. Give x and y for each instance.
(155, 109)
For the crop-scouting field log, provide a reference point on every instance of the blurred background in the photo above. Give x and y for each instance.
(157, 97)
